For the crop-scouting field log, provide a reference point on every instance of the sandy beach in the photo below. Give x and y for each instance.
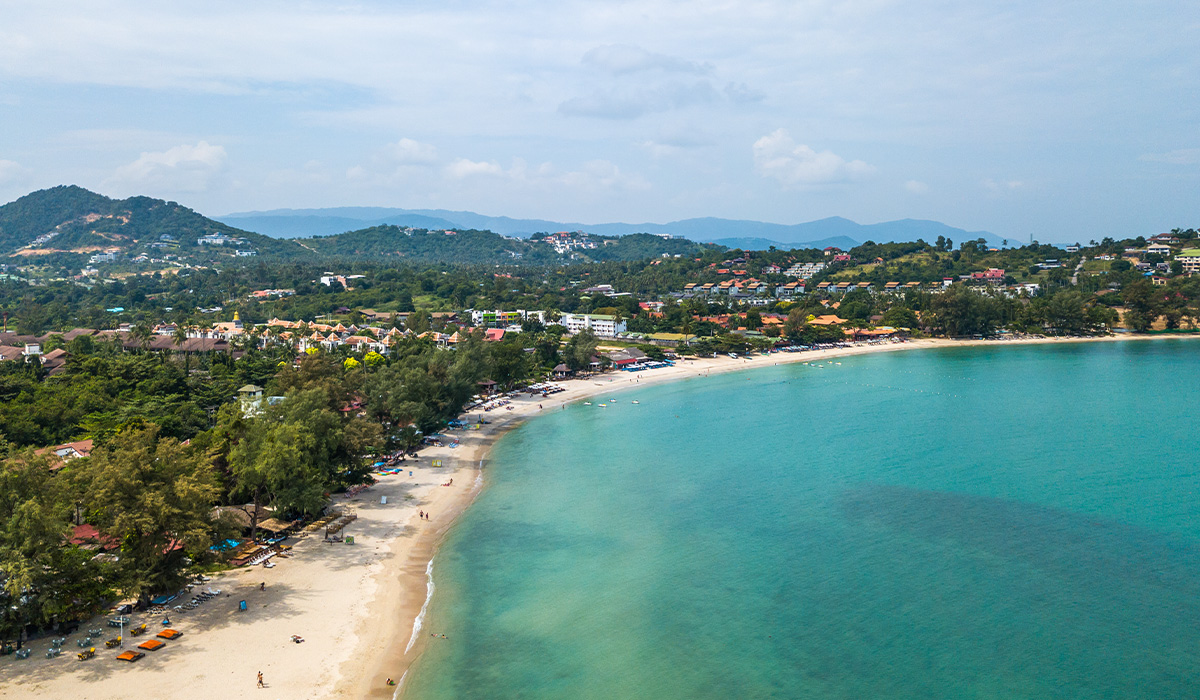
(354, 605)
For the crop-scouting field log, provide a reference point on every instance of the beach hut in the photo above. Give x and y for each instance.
(562, 372)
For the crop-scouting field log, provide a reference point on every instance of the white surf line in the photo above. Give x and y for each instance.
(399, 685)
(420, 619)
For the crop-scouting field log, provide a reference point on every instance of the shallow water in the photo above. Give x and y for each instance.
(1007, 522)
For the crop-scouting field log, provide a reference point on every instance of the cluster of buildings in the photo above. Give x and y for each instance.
(219, 239)
(805, 270)
(743, 289)
(564, 242)
(107, 256)
(329, 279)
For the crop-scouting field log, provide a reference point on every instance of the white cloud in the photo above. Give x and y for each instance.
(593, 176)
(463, 168)
(603, 175)
(630, 103)
(184, 168)
(916, 187)
(1182, 156)
(621, 59)
(776, 155)
(312, 173)
(409, 152)
(10, 170)
(998, 188)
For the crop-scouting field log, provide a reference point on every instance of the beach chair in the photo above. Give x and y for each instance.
(139, 630)
(112, 643)
(87, 654)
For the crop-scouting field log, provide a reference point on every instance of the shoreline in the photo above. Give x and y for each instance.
(582, 389)
(356, 605)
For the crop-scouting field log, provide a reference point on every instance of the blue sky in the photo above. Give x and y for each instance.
(1062, 120)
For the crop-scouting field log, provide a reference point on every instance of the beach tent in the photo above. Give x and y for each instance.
(273, 525)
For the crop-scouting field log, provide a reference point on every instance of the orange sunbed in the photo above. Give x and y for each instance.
(170, 634)
(151, 645)
(130, 655)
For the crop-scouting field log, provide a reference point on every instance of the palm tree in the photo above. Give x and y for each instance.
(143, 334)
(618, 317)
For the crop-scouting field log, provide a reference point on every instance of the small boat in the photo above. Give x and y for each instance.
(587, 403)
(603, 405)
(633, 402)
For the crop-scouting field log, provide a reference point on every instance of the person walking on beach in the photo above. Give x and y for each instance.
(260, 680)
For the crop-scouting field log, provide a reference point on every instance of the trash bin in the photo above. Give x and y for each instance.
(241, 605)
(349, 539)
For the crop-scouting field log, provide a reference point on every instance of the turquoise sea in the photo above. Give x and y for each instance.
(995, 522)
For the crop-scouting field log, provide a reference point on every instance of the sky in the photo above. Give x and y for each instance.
(1059, 120)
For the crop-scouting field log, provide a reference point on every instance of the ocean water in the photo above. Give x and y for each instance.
(997, 522)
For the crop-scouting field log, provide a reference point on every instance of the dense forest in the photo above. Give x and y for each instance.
(171, 442)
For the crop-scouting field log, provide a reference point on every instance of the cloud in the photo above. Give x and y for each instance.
(463, 168)
(741, 93)
(776, 155)
(1183, 156)
(622, 59)
(997, 189)
(312, 173)
(409, 152)
(10, 171)
(916, 187)
(631, 104)
(603, 175)
(592, 176)
(184, 168)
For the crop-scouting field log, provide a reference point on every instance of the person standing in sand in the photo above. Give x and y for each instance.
(260, 680)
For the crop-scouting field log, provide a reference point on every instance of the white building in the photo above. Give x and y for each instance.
(805, 270)
(503, 318)
(600, 324)
(246, 253)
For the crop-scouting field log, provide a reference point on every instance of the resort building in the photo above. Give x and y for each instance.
(600, 324)
(1190, 257)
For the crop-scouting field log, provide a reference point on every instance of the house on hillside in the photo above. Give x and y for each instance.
(59, 455)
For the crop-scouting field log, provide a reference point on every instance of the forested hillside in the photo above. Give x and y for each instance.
(67, 224)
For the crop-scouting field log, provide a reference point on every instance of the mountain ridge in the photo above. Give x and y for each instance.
(307, 222)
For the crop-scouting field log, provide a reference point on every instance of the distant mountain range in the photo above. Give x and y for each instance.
(71, 227)
(748, 235)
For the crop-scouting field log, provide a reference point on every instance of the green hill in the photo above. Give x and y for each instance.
(396, 243)
(66, 225)
(67, 222)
